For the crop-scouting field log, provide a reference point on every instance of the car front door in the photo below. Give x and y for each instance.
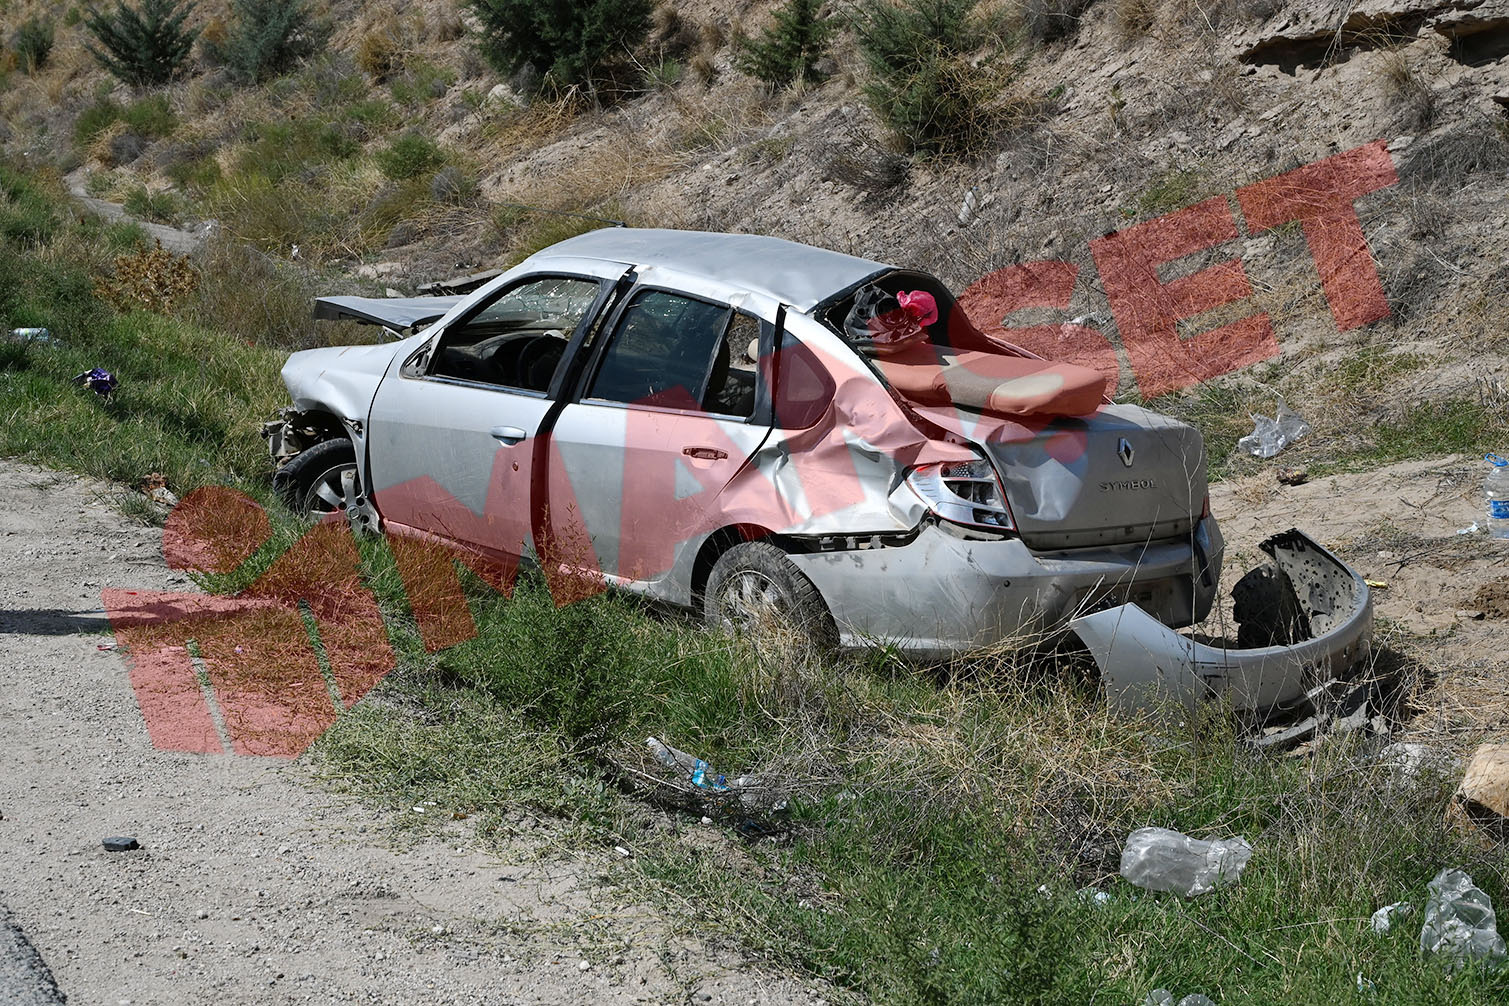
(672, 406)
(451, 430)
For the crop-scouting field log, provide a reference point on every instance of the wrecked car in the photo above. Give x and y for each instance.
(741, 426)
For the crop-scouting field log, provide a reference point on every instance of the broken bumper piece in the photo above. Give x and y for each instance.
(1326, 613)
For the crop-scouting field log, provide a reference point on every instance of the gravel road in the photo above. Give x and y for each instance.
(252, 885)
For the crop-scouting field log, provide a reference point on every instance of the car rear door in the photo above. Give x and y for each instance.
(451, 431)
(672, 405)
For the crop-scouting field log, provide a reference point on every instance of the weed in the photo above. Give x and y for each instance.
(161, 205)
(28, 208)
(409, 156)
(663, 75)
(1175, 190)
(420, 82)
(32, 42)
(255, 299)
(150, 279)
(146, 117)
(380, 54)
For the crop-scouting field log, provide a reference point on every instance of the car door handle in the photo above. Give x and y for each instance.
(507, 434)
(704, 453)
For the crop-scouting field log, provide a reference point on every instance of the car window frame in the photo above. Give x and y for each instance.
(412, 369)
(763, 391)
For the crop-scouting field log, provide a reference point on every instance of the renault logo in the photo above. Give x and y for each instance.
(1124, 451)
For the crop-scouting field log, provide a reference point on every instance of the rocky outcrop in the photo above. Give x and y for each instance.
(1479, 35)
(1319, 33)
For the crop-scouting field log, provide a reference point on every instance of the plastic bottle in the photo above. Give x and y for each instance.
(1496, 488)
(37, 335)
(700, 773)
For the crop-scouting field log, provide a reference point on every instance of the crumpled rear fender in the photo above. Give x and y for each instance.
(1143, 662)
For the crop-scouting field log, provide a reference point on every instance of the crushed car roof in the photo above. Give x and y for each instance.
(795, 274)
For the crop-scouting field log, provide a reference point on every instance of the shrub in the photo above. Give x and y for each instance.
(149, 117)
(153, 279)
(162, 206)
(267, 38)
(32, 42)
(379, 55)
(409, 156)
(567, 43)
(142, 46)
(923, 84)
(787, 51)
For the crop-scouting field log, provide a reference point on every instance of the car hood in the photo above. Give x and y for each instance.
(392, 312)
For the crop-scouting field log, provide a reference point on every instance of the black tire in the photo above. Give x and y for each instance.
(311, 483)
(755, 589)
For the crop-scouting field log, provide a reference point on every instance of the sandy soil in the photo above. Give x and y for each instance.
(252, 885)
(1398, 526)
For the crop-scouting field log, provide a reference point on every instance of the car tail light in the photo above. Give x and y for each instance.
(965, 492)
(1205, 507)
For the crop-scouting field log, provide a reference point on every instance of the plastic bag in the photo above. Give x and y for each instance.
(1158, 859)
(1270, 436)
(1383, 919)
(1459, 920)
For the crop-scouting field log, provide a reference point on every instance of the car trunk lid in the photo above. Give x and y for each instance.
(1122, 475)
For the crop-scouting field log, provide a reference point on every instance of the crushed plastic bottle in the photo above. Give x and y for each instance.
(1460, 921)
(40, 336)
(1270, 436)
(1158, 859)
(1496, 488)
(697, 770)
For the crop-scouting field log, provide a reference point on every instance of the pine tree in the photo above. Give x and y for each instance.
(143, 46)
(268, 38)
(568, 43)
(788, 50)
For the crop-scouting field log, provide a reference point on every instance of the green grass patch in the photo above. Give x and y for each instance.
(409, 156)
(150, 116)
(1175, 190)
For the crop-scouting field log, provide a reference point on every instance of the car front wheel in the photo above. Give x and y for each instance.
(311, 481)
(756, 590)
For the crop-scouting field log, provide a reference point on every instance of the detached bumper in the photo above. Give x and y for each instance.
(1143, 662)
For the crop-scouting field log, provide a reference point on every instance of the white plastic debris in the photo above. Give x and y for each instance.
(1271, 436)
(1460, 921)
(1158, 859)
(1163, 997)
(1383, 919)
(967, 208)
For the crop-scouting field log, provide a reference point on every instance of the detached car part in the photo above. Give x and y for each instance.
(1314, 614)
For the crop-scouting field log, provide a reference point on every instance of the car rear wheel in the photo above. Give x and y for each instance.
(311, 482)
(755, 590)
